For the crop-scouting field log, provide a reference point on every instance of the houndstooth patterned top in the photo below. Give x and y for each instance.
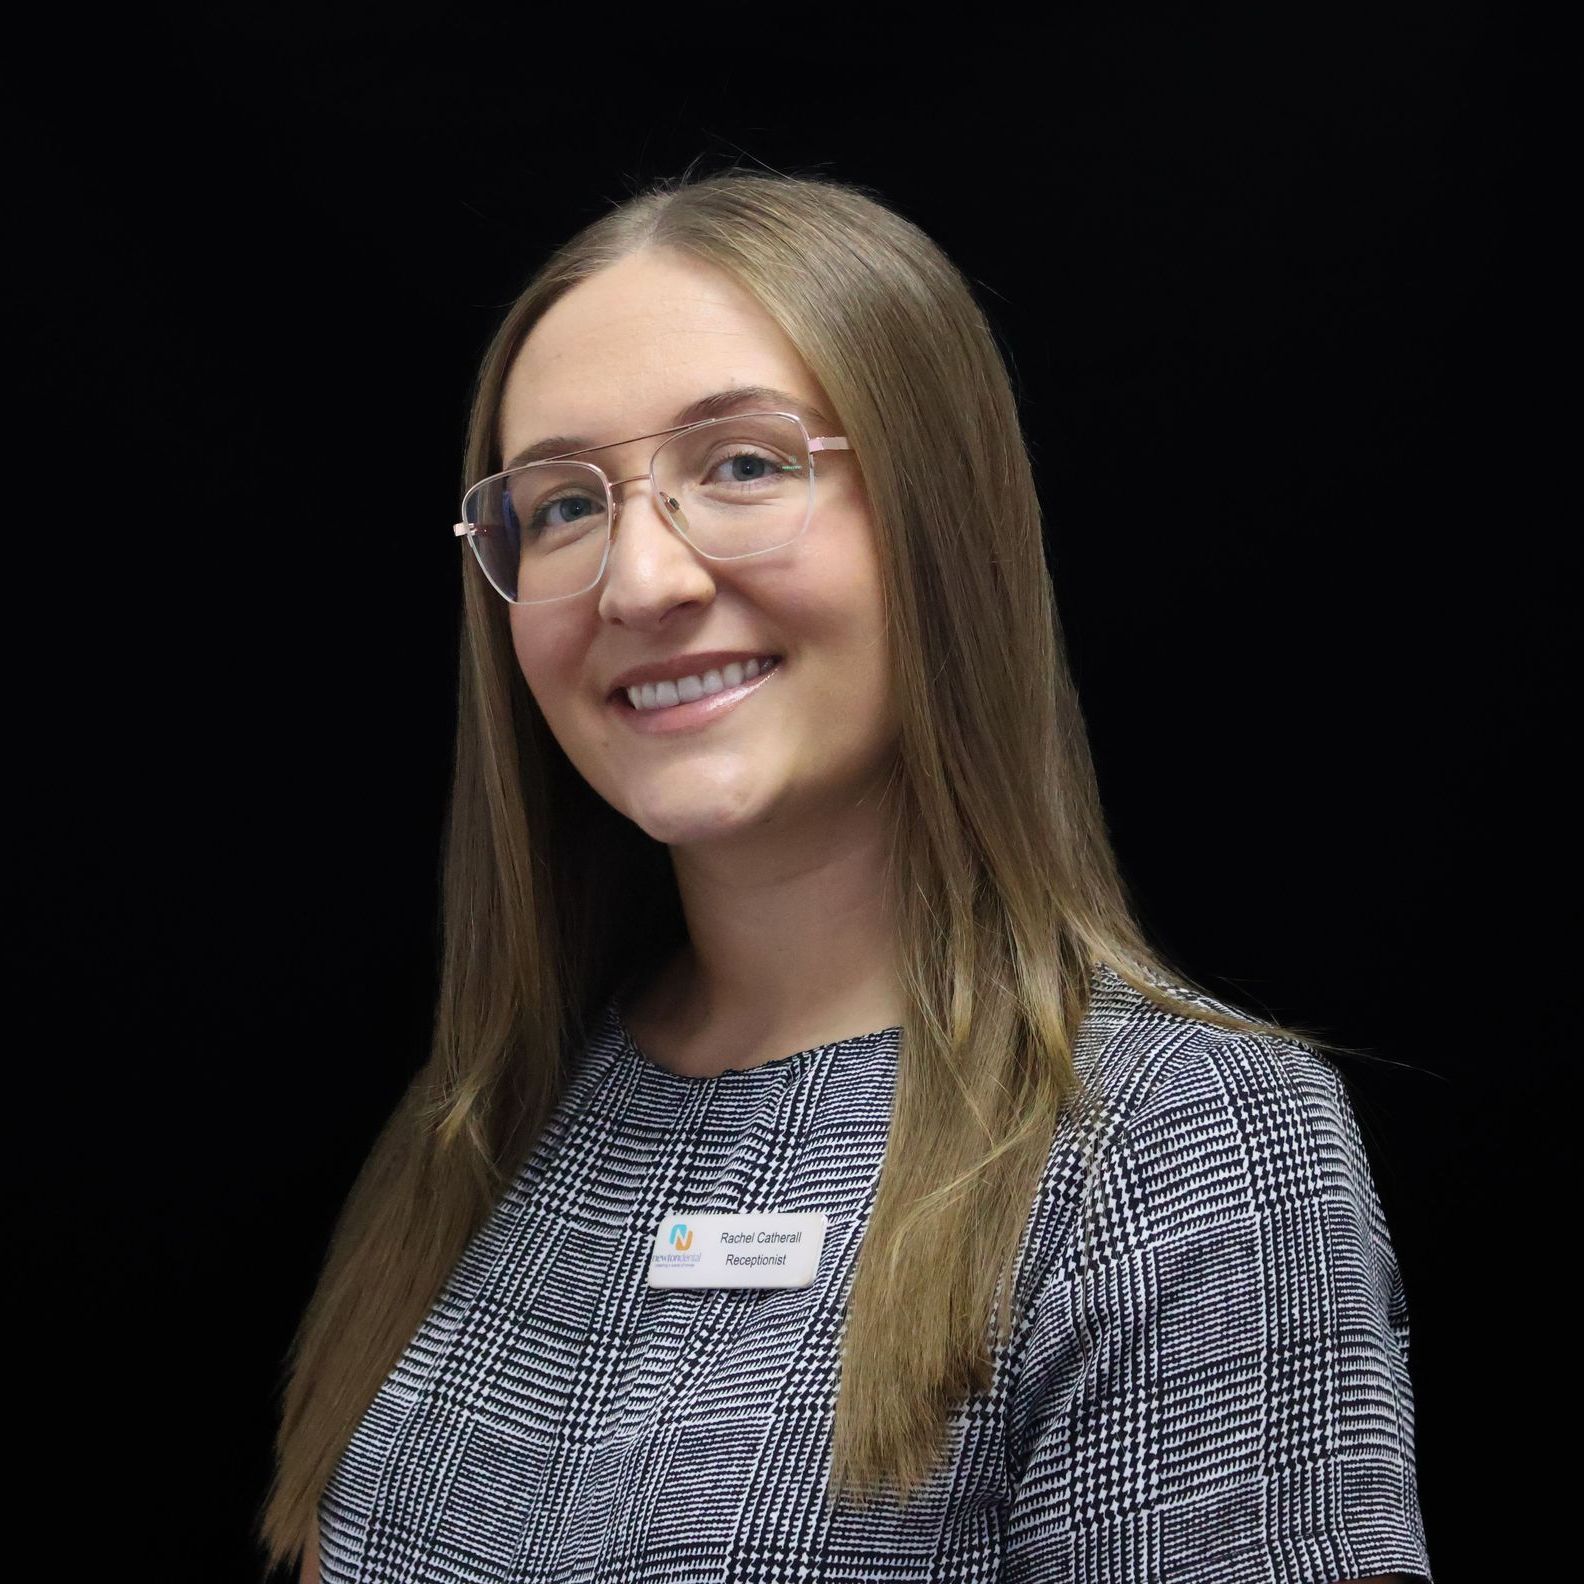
(1207, 1377)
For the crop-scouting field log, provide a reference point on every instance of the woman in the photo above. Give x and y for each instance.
(817, 1173)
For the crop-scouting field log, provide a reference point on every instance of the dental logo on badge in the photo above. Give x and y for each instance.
(706, 1250)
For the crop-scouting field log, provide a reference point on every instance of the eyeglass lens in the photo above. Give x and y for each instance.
(732, 487)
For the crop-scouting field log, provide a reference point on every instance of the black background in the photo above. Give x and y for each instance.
(1283, 305)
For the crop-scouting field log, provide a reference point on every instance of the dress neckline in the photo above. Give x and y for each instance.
(775, 1066)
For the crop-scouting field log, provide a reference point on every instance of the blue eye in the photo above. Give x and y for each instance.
(537, 522)
(769, 466)
(581, 508)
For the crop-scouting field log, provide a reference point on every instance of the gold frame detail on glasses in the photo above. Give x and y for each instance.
(468, 530)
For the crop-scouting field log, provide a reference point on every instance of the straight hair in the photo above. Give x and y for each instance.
(1000, 870)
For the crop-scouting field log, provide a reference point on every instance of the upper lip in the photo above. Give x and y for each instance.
(684, 665)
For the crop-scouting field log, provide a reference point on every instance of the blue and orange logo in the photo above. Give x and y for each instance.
(680, 1236)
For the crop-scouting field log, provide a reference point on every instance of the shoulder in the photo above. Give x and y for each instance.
(1217, 1349)
(1195, 1125)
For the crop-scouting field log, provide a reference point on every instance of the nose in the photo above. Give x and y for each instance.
(651, 567)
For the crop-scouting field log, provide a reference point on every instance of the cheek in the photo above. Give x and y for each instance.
(527, 649)
(546, 650)
(850, 592)
(838, 613)
(837, 579)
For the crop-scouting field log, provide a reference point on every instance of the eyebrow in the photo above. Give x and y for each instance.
(715, 405)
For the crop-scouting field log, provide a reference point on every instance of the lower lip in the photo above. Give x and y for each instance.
(690, 717)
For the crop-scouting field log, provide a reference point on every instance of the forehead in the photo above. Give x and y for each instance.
(623, 351)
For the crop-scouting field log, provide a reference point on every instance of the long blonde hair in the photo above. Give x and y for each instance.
(1000, 869)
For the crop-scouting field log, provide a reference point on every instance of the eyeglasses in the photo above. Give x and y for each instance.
(542, 532)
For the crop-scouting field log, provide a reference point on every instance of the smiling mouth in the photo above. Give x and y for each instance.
(619, 698)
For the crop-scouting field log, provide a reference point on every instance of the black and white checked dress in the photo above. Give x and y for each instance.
(1215, 1389)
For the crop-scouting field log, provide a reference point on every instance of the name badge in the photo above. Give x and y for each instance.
(772, 1250)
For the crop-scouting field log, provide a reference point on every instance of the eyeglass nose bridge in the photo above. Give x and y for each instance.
(672, 506)
(633, 480)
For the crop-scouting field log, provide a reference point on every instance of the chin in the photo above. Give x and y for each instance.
(693, 820)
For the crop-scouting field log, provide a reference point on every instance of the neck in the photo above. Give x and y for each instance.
(782, 940)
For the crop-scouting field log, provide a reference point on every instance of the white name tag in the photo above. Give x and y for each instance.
(773, 1250)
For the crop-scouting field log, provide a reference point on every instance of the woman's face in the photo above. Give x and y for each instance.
(620, 355)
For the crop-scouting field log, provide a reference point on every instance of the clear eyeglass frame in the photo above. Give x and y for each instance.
(468, 530)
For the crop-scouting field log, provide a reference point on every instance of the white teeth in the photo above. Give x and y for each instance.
(661, 695)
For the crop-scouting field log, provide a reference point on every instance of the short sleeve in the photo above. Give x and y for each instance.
(1215, 1382)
